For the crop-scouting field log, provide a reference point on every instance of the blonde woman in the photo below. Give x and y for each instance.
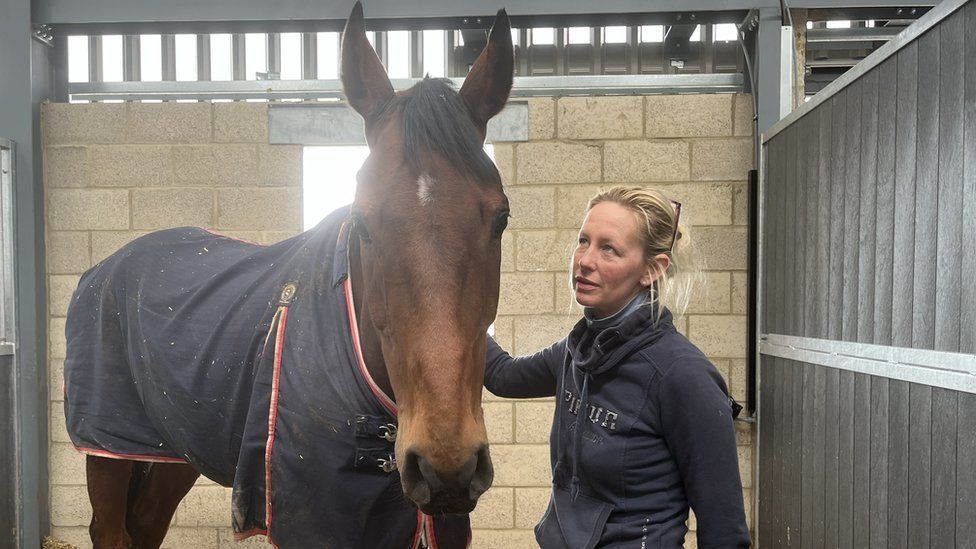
(643, 424)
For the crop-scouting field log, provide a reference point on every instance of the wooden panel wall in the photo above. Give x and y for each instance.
(870, 237)
(852, 460)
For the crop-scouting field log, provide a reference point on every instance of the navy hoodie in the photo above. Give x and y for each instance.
(642, 430)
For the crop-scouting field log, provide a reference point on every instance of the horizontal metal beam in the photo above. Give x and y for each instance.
(906, 37)
(860, 34)
(126, 11)
(337, 124)
(954, 371)
(526, 86)
(6, 349)
(845, 62)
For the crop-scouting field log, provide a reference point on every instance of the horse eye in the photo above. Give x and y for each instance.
(501, 222)
(363, 232)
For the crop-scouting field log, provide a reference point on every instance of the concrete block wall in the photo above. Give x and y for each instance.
(116, 171)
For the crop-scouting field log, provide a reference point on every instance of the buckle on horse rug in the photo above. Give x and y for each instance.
(374, 426)
(385, 460)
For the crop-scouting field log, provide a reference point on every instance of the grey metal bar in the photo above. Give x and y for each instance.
(131, 58)
(274, 54)
(311, 89)
(101, 11)
(6, 349)
(955, 371)
(774, 68)
(94, 59)
(203, 57)
(310, 56)
(906, 37)
(7, 178)
(416, 54)
(169, 57)
(857, 34)
(26, 81)
(238, 57)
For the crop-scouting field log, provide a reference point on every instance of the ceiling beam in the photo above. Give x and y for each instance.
(125, 11)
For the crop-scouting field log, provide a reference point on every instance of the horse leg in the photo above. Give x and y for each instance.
(108, 490)
(158, 492)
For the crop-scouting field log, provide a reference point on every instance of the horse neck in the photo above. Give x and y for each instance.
(369, 340)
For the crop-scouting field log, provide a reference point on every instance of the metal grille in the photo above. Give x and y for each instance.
(99, 63)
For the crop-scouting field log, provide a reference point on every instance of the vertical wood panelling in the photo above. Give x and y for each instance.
(768, 242)
(885, 220)
(786, 453)
(845, 465)
(838, 171)
(945, 407)
(808, 477)
(811, 226)
(824, 222)
(898, 475)
(879, 462)
(950, 206)
(767, 415)
(798, 458)
(781, 221)
(862, 460)
(852, 199)
(802, 226)
(967, 338)
(905, 143)
(870, 237)
(816, 455)
(789, 228)
(919, 465)
(966, 467)
(867, 218)
(831, 457)
(779, 500)
(926, 193)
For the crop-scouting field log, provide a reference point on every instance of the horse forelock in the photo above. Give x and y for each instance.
(436, 124)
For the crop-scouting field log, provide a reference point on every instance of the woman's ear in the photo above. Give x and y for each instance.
(655, 269)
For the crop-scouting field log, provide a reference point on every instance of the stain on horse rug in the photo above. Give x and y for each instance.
(243, 361)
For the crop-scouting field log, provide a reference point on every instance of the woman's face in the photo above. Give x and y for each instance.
(609, 266)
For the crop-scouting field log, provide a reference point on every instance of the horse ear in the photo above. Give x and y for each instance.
(364, 80)
(486, 88)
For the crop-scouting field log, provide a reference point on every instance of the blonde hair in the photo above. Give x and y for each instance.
(656, 215)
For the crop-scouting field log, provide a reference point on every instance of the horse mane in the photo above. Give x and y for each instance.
(435, 119)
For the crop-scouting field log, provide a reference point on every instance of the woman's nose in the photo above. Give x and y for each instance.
(585, 260)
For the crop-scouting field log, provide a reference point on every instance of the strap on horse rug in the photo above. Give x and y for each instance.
(243, 360)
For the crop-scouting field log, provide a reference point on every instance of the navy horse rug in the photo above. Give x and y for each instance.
(244, 361)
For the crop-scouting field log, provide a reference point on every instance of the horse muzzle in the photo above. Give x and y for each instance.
(446, 492)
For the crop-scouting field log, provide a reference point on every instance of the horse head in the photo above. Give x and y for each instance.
(428, 217)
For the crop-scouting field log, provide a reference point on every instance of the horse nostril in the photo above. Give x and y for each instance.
(412, 476)
(484, 473)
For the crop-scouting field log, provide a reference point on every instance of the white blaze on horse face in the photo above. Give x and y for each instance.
(425, 184)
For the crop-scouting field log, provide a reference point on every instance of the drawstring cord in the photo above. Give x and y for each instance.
(578, 435)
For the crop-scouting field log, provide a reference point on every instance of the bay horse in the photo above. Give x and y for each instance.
(333, 379)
